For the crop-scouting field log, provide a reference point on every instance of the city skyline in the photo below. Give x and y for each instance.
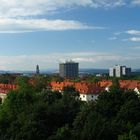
(95, 33)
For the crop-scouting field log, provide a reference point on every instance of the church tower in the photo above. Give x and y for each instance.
(37, 69)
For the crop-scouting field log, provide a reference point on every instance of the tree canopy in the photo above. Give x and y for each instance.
(31, 114)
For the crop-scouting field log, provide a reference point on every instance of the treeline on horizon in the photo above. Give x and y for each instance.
(37, 113)
(12, 78)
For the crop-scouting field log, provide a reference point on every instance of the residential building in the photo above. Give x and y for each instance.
(88, 97)
(119, 71)
(126, 71)
(4, 90)
(88, 91)
(112, 72)
(91, 91)
(69, 69)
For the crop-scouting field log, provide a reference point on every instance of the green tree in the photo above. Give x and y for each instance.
(115, 88)
(28, 115)
(126, 136)
(70, 91)
(50, 96)
(40, 82)
(7, 78)
(136, 130)
(63, 133)
(113, 114)
(130, 112)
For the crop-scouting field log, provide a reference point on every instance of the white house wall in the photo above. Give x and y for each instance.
(3, 96)
(88, 97)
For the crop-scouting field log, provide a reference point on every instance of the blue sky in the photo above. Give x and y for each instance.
(95, 33)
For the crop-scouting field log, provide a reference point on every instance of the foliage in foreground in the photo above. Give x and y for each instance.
(30, 115)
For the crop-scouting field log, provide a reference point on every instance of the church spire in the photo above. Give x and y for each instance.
(37, 69)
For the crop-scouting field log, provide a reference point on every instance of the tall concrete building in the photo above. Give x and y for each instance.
(69, 69)
(119, 71)
(126, 71)
(111, 72)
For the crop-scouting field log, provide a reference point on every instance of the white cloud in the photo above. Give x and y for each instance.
(133, 32)
(134, 39)
(112, 38)
(28, 25)
(136, 2)
(22, 13)
(118, 33)
(134, 35)
(22, 16)
(108, 3)
(28, 62)
(129, 32)
(14, 8)
(18, 16)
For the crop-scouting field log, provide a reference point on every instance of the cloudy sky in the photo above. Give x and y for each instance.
(95, 33)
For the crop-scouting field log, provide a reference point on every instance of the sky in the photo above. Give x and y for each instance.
(95, 33)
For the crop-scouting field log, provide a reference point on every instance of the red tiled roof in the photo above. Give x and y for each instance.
(82, 87)
(94, 88)
(5, 88)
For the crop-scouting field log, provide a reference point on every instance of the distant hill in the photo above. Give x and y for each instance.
(81, 71)
(94, 71)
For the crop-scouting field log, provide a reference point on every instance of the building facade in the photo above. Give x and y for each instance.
(69, 69)
(126, 71)
(119, 71)
(87, 91)
(91, 91)
(111, 72)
